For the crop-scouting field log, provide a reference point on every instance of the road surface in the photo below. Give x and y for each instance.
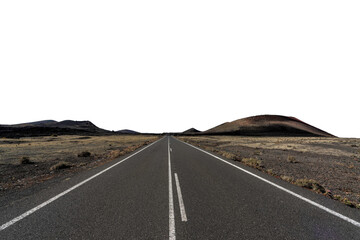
(172, 190)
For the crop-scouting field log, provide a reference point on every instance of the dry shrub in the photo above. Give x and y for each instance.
(25, 160)
(60, 165)
(350, 203)
(347, 201)
(84, 154)
(287, 178)
(253, 162)
(118, 153)
(114, 154)
(257, 152)
(228, 155)
(291, 159)
(310, 184)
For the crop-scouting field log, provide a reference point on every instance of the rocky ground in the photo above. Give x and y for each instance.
(28, 161)
(329, 166)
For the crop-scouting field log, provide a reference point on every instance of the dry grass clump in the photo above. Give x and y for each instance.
(257, 152)
(291, 159)
(310, 184)
(287, 178)
(347, 201)
(228, 155)
(118, 153)
(60, 165)
(350, 203)
(253, 162)
(114, 154)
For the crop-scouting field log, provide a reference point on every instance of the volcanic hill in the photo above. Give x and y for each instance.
(191, 131)
(267, 125)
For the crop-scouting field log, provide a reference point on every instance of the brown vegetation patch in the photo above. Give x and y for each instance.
(84, 154)
(253, 162)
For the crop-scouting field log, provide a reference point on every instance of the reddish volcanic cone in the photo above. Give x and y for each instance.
(267, 125)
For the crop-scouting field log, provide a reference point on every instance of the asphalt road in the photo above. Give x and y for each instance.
(170, 190)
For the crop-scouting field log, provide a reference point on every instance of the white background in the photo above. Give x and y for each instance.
(156, 66)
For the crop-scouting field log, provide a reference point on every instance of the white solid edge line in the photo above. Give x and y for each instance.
(22, 216)
(181, 202)
(352, 221)
(172, 234)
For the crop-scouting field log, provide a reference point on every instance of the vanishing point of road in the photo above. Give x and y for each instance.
(172, 190)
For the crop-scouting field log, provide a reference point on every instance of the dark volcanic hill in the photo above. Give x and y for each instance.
(267, 125)
(51, 127)
(191, 131)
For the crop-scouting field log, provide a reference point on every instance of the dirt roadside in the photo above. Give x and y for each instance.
(329, 166)
(28, 161)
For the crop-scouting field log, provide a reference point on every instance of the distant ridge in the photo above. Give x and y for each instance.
(261, 125)
(37, 123)
(51, 127)
(127, 131)
(267, 125)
